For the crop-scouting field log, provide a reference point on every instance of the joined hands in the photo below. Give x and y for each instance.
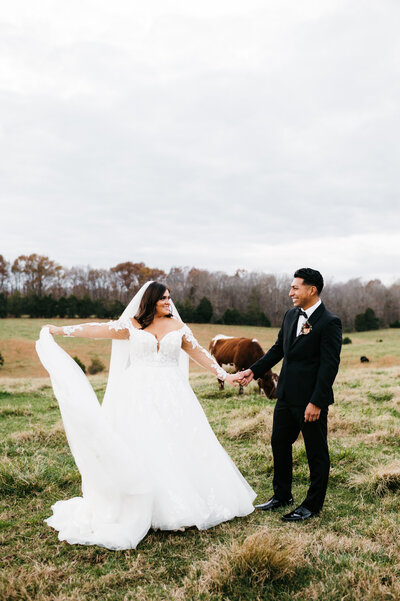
(245, 377)
(241, 378)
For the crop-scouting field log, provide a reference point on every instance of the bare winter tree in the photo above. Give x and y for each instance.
(36, 273)
(4, 274)
(101, 284)
(247, 292)
(130, 276)
(392, 304)
(176, 281)
(77, 281)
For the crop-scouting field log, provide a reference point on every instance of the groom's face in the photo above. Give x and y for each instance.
(302, 294)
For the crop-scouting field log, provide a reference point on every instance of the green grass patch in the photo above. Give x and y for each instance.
(380, 397)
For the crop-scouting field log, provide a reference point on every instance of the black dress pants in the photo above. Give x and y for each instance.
(287, 424)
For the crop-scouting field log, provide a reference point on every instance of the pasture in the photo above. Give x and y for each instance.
(351, 552)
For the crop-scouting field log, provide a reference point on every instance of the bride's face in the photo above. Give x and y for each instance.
(163, 306)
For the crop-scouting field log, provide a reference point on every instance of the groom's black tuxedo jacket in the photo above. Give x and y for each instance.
(310, 361)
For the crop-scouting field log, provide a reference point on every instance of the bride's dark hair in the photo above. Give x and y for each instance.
(147, 308)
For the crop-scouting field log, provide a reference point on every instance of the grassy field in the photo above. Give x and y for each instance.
(351, 552)
(17, 345)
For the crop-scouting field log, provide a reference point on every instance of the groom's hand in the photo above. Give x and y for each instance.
(312, 413)
(245, 377)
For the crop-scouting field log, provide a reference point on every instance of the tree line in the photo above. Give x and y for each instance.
(36, 286)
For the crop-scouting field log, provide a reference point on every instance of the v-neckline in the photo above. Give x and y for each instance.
(158, 341)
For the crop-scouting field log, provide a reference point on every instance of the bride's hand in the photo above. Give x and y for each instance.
(55, 330)
(232, 379)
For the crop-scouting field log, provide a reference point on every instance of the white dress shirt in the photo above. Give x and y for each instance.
(302, 320)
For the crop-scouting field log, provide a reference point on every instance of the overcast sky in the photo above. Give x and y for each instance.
(224, 134)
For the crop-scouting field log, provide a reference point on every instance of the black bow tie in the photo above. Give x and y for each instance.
(301, 312)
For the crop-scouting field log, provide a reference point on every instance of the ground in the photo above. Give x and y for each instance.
(351, 552)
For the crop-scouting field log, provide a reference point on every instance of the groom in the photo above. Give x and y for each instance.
(309, 342)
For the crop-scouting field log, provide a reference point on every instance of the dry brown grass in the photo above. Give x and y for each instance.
(342, 424)
(341, 543)
(261, 557)
(382, 436)
(359, 583)
(20, 359)
(36, 581)
(13, 385)
(380, 479)
(356, 577)
(41, 435)
(137, 570)
(250, 423)
(32, 582)
(9, 411)
(32, 384)
(388, 361)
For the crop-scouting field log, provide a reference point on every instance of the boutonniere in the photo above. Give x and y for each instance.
(306, 328)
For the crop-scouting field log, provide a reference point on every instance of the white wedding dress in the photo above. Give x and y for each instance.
(148, 458)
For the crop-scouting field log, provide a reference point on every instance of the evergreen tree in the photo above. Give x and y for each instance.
(233, 317)
(264, 320)
(186, 311)
(40, 306)
(85, 307)
(366, 321)
(101, 309)
(3, 305)
(115, 309)
(49, 306)
(16, 304)
(203, 311)
(254, 316)
(72, 306)
(62, 307)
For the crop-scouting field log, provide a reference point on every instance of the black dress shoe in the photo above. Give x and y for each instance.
(274, 503)
(299, 514)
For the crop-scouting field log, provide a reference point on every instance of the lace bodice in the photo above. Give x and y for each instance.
(144, 346)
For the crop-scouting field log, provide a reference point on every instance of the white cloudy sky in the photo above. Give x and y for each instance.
(260, 134)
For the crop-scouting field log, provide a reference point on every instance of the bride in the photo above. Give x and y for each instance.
(148, 457)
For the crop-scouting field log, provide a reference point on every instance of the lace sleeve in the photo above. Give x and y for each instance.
(200, 355)
(119, 330)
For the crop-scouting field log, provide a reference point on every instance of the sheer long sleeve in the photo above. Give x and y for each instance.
(200, 355)
(118, 329)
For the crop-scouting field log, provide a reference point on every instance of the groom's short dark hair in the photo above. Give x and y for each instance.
(311, 277)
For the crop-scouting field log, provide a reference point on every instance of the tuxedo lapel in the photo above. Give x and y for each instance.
(312, 321)
(316, 315)
(292, 330)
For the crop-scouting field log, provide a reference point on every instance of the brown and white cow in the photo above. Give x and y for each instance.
(241, 353)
